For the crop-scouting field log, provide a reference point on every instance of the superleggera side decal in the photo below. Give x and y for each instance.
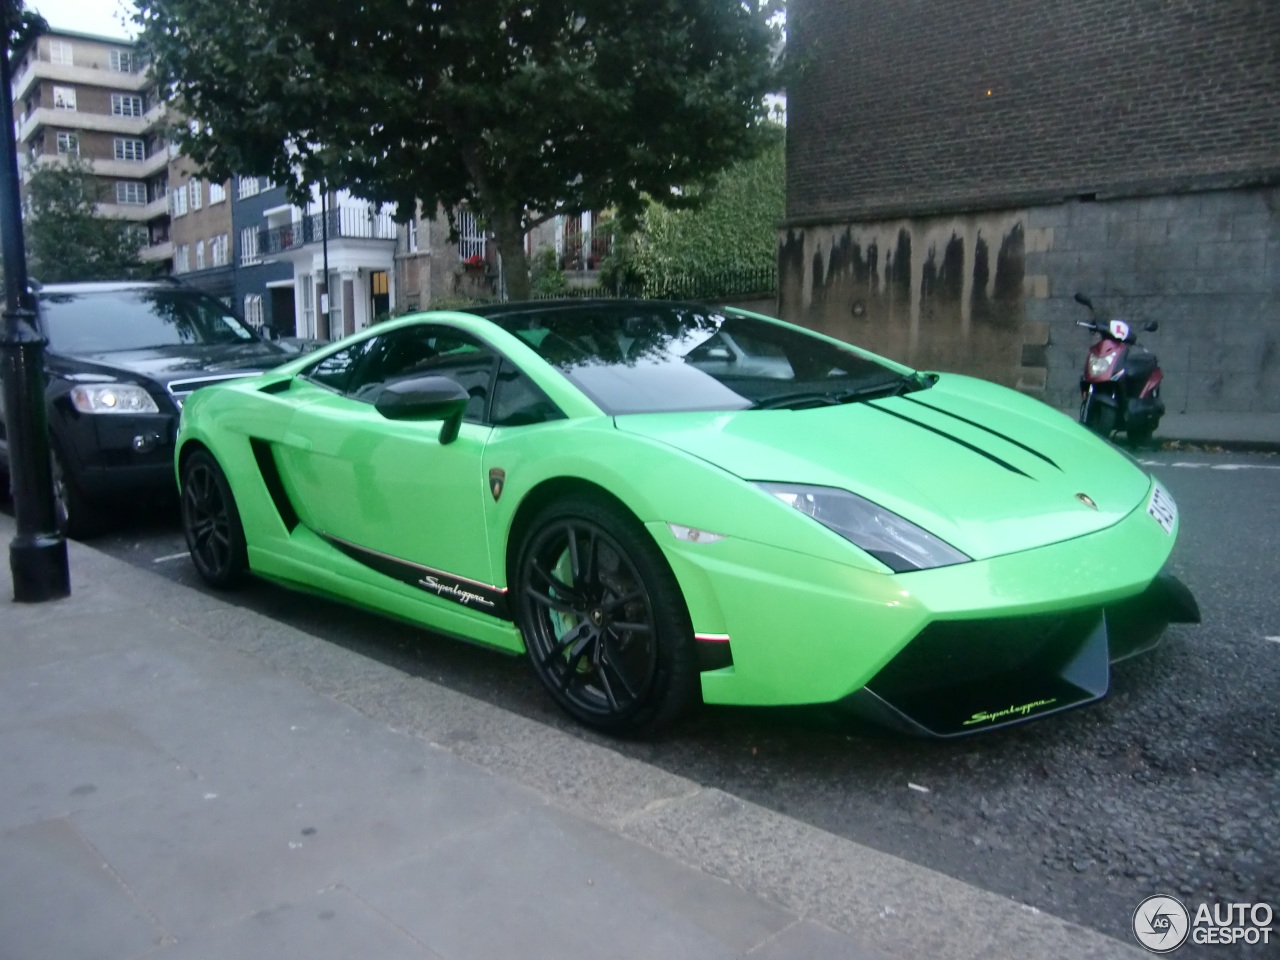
(471, 594)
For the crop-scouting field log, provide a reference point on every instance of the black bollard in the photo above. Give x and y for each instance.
(38, 553)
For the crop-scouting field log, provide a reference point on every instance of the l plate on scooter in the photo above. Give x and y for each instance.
(1162, 508)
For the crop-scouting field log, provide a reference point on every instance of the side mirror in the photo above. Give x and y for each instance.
(1151, 326)
(425, 398)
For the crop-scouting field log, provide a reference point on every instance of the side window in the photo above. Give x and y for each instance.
(517, 400)
(422, 351)
(335, 371)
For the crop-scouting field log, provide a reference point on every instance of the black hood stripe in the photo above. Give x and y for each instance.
(994, 433)
(942, 433)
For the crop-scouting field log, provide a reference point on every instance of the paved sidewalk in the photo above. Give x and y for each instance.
(181, 778)
(1243, 431)
(1230, 431)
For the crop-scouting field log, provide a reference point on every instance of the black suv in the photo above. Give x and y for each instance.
(121, 358)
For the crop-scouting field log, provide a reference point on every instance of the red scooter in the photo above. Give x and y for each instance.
(1120, 388)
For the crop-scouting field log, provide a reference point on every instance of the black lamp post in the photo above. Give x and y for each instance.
(38, 553)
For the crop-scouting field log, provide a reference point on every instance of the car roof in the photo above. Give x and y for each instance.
(115, 286)
(494, 310)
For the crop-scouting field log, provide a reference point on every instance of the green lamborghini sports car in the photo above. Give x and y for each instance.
(662, 503)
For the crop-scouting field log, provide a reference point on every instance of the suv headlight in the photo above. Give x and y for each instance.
(112, 398)
(897, 543)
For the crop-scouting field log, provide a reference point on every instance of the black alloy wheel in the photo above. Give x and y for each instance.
(605, 624)
(211, 523)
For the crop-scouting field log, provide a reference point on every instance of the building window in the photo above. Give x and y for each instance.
(196, 189)
(218, 251)
(413, 235)
(182, 259)
(123, 61)
(60, 52)
(217, 193)
(128, 149)
(308, 291)
(470, 237)
(64, 98)
(248, 187)
(68, 144)
(253, 314)
(131, 191)
(199, 254)
(179, 202)
(126, 105)
(249, 246)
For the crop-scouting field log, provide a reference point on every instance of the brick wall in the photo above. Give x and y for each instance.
(912, 107)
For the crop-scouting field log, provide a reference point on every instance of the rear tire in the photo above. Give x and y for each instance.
(604, 622)
(1141, 438)
(211, 523)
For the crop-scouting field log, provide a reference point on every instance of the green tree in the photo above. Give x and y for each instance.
(734, 227)
(67, 239)
(519, 110)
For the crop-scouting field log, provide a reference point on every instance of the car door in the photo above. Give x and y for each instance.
(387, 492)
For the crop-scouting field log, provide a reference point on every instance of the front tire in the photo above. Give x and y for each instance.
(76, 516)
(1099, 418)
(211, 523)
(605, 624)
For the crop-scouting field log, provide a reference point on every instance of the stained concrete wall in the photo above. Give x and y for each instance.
(990, 294)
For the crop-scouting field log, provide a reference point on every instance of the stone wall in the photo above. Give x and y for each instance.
(991, 294)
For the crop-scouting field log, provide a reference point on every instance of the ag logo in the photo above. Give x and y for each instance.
(497, 478)
(1161, 924)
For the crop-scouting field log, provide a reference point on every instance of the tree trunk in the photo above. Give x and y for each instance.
(515, 265)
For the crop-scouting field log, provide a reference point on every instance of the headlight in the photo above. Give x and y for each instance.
(1101, 365)
(112, 398)
(897, 543)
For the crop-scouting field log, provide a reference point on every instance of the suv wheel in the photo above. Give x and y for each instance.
(76, 515)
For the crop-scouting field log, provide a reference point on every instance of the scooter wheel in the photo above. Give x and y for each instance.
(1101, 419)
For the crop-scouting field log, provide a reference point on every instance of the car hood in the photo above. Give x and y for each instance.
(988, 470)
(186, 361)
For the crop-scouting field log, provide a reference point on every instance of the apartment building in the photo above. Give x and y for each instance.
(201, 231)
(354, 238)
(78, 94)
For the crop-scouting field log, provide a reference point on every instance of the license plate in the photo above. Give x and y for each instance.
(1162, 508)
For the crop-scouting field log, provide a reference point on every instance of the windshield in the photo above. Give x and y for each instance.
(656, 358)
(102, 322)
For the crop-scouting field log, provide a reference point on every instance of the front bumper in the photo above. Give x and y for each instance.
(113, 455)
(958, 677)
(803, 630)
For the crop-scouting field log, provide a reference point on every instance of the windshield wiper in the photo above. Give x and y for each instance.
(831, 398)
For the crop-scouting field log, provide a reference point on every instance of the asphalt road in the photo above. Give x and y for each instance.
(1171, 785)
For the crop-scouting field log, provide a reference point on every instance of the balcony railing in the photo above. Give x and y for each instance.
(345, 223)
